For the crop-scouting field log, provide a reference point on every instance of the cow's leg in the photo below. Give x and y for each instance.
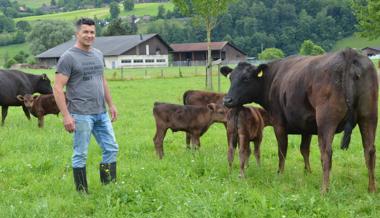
(195, 142)
(231, 150)
(244, 153)
(328, 119)
(158, 140)
(257, 143)
(26, 112)
(188, 136)
(282, 140)
(305, 151)
(368, 131)
(4, 112)
(41, 121)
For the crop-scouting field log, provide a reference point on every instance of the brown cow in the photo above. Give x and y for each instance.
(192, 119)
(201, 98)
(245, 124)
(39, 106)
(320, 95)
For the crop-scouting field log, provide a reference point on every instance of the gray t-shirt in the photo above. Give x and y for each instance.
(84, 89)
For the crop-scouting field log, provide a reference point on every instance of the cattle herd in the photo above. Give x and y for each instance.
(303, 95)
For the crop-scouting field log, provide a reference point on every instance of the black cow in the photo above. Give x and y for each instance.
(15, 82)
(320, 95)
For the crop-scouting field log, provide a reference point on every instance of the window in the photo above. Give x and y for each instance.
(161, 60)
(138, 61)
(149, 60)
(126, 61)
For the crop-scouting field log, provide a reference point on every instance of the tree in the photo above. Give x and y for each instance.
(206, 13)
(23, 26)
(21, 57)
(271, 53)
(128, 5)
(117, 27)
(46, 35)
(6, 24)
(114, 10)
(309, 48)
(368, 17)
(161, 12)
(53, 3)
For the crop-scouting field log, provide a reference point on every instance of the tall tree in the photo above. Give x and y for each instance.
(114, 10)
(128, 5)
(368, 16)
(206, 13)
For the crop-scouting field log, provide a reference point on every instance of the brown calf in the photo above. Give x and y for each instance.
(191, 119)
(245, 124)
(201, 98)
(39, 106)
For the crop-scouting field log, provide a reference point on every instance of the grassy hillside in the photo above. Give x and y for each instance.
(36, 176)
(11, 50)
(356, 42)
(139, 10)
(34, 3)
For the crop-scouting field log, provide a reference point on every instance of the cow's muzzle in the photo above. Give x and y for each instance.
(227, 101)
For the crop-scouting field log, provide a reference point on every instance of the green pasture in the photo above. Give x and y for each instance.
(356, 42)
(139, 10)
(11, 51)
(34, 3)
(36, 176)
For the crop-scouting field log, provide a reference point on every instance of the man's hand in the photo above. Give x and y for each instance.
(113, 113)
(69, 123)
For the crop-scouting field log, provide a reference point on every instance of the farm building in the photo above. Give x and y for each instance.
(371, 51)
(119, 51)
(196, 53)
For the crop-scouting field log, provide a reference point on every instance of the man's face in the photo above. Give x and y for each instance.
(86, 35)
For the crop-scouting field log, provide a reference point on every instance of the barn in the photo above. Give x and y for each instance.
(371, 51)
(196, 53)
(119, 51)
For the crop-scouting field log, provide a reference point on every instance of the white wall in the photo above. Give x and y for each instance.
(136, 61)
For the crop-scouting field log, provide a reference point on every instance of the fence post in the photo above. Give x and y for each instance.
(146, 73)
(122, 73)
(162, 73)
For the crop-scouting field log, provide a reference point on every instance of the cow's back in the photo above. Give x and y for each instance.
(13, 83)
(196, 97)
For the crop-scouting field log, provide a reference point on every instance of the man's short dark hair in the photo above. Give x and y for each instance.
(85, 21)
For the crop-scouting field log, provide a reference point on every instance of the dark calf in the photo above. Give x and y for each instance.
(201, 98)
(191, 119)
(39, 106)
(245, 124)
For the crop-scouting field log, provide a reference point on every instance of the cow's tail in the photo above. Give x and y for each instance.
(185, 96)
(349, 91)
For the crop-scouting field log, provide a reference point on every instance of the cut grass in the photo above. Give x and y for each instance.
(356, 42)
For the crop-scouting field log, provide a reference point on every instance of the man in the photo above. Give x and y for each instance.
(81, 69)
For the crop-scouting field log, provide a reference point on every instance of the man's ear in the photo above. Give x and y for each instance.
(225, 70)
(211, 106)
(20, 97)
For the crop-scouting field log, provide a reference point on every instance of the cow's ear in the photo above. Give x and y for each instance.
(211, 106)
(260, 70)
(44, 76)
(20, 97)
(35, 97)
(225, 70)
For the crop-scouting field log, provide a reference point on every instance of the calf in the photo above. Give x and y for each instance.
(191, 119)
(201, 98)
(245, 124)
(39, 106)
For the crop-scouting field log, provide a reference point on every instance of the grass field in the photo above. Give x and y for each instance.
(11, 50)
(34, 3)
(356, 42)
(36, 177)
(139, 10)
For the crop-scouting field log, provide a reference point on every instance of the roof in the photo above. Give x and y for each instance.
(201, 46)
(108, 45)
(374, 48)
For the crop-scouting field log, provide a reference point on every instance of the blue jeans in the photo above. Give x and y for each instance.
(100, 126)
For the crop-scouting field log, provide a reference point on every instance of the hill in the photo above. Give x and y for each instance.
(356, 42)
(33, 4)
(11, 50)
(139, 10)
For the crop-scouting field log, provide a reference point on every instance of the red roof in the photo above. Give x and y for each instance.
(200, 46)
